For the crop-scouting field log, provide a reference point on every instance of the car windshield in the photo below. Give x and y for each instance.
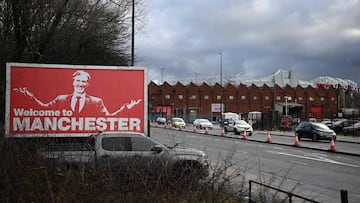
(356, 125)
(338, 122)
(178, 120)
(203, 121)
(321, 126)
(241, 122)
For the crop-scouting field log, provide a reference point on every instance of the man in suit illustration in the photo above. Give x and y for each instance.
(79, 101)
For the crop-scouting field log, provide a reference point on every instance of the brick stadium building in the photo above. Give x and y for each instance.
(249, 98)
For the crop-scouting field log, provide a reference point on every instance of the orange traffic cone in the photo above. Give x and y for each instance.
(194, 129)
(244, 135)
(180, 128)
(170, 125)
(268, 137)
(222, 132)
(332, 145)
(157, 125)
(206, 130)
(165, 125)
(296, 143)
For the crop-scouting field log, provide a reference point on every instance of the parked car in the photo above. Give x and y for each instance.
(161, 120)
(203, 123)
(352, 129)
(327, 122)
(123, 151)
(314, 131)
(339, 124)
(238, 127)
(178, 122)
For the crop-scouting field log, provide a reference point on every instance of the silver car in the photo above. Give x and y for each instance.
(238, 127)
(203, 123)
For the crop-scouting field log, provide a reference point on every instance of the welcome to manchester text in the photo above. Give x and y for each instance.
(52, 120)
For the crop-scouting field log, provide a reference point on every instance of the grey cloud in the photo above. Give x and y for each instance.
(256, 37)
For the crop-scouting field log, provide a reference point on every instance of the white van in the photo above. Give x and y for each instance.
(230, 115)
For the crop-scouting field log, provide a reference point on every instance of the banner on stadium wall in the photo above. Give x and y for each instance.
(74, 100)
(217, 107)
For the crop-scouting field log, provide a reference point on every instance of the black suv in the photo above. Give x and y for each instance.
(315, 131)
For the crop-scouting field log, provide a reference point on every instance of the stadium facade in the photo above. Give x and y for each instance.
(271, 98)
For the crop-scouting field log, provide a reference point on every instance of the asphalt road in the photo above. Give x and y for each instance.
(316, 174)
(343, 144)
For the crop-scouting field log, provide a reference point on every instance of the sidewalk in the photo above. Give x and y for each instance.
(341, 138)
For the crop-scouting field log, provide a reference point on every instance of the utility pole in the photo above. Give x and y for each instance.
(162, 92)
(133, 33)
(221, 105)
(197, 90)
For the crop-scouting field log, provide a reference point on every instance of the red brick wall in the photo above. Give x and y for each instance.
(231, 98)
(205, 99)
(241, 99)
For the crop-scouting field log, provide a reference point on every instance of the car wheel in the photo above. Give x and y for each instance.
(226, 131)
(236, 132)
(315, 138)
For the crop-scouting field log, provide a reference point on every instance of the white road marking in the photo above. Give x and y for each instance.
(301, 163)
(316, 154)
(318, 158)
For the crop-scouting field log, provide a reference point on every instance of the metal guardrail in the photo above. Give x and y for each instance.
(290, 195)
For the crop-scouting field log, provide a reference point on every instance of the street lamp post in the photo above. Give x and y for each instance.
(221, 105)
(162, 92)
(197, 90)
(132, 30)
(133, 33)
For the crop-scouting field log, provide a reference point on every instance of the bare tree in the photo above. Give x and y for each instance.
(61, 31)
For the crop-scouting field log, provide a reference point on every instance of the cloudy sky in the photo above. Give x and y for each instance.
(256, 38)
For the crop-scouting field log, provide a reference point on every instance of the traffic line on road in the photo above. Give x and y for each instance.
(298, 162)
(319, 158)
(316, 154)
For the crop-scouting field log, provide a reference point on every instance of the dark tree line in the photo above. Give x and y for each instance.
(95, 32)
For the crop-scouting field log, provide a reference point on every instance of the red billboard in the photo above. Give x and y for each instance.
(74, 100)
